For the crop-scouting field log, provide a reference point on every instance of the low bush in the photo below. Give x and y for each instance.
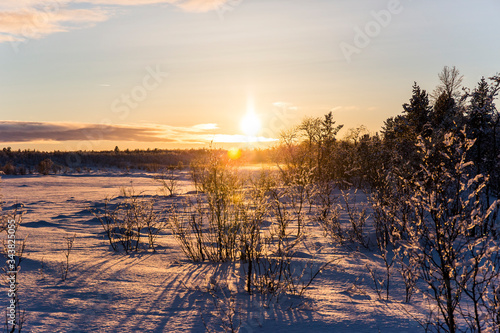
(129, 221)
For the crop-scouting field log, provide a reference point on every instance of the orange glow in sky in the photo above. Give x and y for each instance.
(93, 74)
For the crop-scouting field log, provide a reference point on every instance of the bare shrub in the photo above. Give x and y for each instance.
(64, 266)
(45, 166)
(283, 214)
(279, 275)
(188, 230)
(207, 232)
(226, 314)
(129, 221)
(208, 226)
(254, 210)
(154, 224)
(225, 223)
(9, 169)
(169, 181)
(275, 269)
(108, 218)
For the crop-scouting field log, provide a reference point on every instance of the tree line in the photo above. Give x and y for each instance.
(314, 152)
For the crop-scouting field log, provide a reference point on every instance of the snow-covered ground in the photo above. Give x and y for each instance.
(164, 292)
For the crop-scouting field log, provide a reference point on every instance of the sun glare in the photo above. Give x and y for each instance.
(234, 153)
(250, 124)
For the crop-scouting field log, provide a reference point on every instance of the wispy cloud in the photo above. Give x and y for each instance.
(33, 19)
(341, 108)
(7, 38)
(237, 138)
(35, 22)
(126, 2)
(206, 127)
(25, 132)
(345, 108)
(201, 5)
(189, 5)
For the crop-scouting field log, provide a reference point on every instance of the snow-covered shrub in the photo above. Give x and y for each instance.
(328, 215)
(357, 219)
(449, 237)
(391, 213)
(328, 211)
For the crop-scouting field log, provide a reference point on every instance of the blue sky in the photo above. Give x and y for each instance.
(90, 74)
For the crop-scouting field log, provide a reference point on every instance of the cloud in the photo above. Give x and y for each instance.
(341, 108)
(206, 127)
(285, 105)
(22, 20)
(24, 4)
(345, 108)
(34, 22)
(202, 5)
(188, 5)
(237, 138)
(126, 2)
(7, 38)
(18, 131)
(25, 132)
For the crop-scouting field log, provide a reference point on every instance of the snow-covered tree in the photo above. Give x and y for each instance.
(451, 236)
(417, 112)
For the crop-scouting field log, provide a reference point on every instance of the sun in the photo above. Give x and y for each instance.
(250, 124)
(234, 153)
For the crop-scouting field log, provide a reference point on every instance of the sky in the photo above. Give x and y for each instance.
(94, 74)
